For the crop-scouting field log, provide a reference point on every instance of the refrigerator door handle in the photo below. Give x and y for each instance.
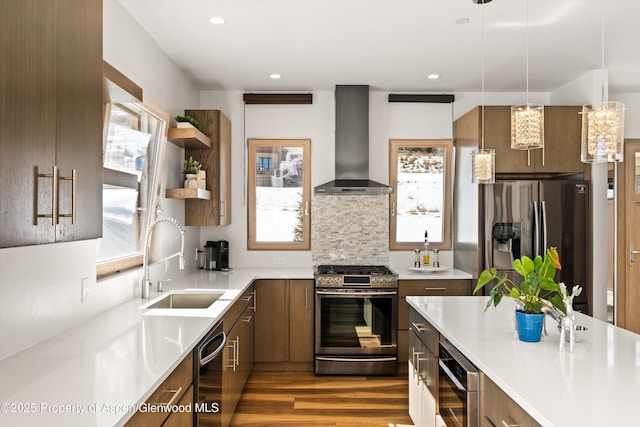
(536, 235)
(544, 226)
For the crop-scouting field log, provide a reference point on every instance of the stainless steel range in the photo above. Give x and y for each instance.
(356, 320)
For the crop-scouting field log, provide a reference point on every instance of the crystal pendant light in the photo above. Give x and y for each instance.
(527, 121)
(484, 166)
(602, 128)
(602, 132)
(483, 162)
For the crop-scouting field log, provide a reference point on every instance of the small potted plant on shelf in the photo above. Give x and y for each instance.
(191, 169)
(536, 294)
(187, 121)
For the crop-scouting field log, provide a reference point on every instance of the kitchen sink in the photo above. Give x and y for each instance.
(186, 300)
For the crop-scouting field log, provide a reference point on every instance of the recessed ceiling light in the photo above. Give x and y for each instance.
(461, 21)
(433, 76)
(216, 20)
(275, 76)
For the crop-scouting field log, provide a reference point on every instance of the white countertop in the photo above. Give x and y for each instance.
(406, 273)
(596, 385)
(96, 373)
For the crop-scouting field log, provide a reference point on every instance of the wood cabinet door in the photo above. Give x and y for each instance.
(52, 80)
(301, 321)
(270, 321)
(27, 121)
(562, 137)
(79, 116)
(245, 349)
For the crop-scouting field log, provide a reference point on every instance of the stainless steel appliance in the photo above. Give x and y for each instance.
(458, 386)
(525, 217)
(207, 366)
(216, 255)
(356, 320)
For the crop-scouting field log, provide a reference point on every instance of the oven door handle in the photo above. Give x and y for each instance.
(452, 377)
(356, 294)
(210, 357)
(356, 359)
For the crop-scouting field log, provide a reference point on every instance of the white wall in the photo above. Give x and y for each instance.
(315, 122)
(632, 114)
(40, 285)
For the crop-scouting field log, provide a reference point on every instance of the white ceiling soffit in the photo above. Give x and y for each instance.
(392, 45)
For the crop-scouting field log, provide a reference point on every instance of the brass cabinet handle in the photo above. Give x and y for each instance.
(435, 289)
(71, 178)
(223, 208)
(237, 358)
(174, 398)
(54, 196)
(234, 345)
(247, 319)
(506, 424)
(419, 327)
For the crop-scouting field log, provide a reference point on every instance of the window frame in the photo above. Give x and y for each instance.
(120, 90)
(252, 145)
(394, 145)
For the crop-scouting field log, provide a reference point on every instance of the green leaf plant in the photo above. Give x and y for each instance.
(537, 291)
(191, 166)
(188, 119)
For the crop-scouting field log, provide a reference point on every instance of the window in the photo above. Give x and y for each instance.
(131, 152)
(420, 174)
(279, 177)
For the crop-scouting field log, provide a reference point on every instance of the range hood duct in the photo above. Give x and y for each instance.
(352, 145)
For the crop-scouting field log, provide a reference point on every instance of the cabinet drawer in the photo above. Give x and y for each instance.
(233, 314)
(434, 287)
(424, 331)
(498, 409)
(177, 384)
(443, 287)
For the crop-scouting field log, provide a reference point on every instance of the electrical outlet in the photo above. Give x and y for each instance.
(84, 289)
(278, 261)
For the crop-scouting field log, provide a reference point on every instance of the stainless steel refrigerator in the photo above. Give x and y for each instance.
(524, 217)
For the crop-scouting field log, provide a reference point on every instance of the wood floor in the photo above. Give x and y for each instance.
(303, 399)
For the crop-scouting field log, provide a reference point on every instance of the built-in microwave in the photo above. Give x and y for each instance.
(458, 387)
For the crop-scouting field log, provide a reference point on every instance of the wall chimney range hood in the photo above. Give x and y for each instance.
(352, 145)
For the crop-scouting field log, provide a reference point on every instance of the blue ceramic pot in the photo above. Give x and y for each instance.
(529, 326)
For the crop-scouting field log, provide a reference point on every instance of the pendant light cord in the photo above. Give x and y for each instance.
(527, 50)
(602, 57)
(482, 76)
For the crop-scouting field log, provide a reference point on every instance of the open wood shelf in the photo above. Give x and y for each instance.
(188, 138)
(187, 193)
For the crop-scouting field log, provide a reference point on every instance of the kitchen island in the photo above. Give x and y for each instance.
(596, 385)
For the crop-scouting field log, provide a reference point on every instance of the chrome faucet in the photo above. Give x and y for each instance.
(146, 283)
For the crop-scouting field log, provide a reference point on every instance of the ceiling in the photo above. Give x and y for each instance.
(392, 45)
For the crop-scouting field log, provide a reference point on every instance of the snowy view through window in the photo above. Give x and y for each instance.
(420, 194)
(279, 194)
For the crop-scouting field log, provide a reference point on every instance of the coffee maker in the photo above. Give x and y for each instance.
(216, 255)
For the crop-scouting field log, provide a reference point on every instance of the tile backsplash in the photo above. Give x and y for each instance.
(350, 229)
